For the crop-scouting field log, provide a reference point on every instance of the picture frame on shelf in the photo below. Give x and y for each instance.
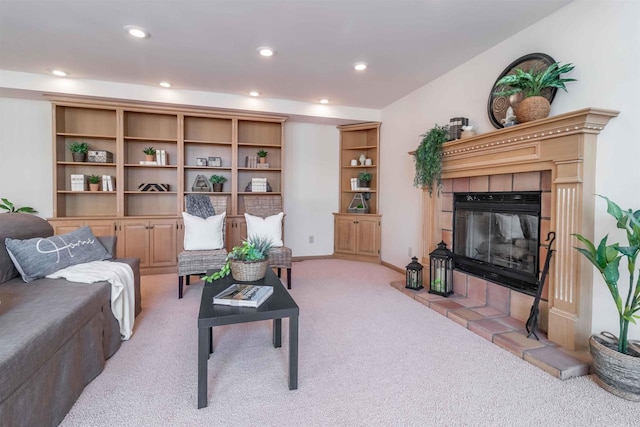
(214, 161)
(201, 161)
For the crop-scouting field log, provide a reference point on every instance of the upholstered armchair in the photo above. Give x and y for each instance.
(192, 262)
(265, 206)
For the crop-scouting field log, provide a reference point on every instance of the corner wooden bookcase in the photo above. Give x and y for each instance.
(357, 235)
(149, 223)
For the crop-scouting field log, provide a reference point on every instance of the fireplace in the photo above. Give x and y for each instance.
(561, 152)
(496, 237)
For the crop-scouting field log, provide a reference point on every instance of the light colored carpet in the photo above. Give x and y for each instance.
(368, 356)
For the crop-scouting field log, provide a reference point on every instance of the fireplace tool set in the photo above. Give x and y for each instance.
(532, 322)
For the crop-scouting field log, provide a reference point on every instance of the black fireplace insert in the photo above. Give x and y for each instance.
(496, 236)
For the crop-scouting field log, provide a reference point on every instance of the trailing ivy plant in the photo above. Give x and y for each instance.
(428, 158)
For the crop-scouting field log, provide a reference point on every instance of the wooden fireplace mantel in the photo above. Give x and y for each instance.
(566, 146)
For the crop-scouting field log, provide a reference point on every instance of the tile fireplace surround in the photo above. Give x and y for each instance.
(557, 156)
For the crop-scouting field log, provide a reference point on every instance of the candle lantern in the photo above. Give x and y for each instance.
(414, 275)
(441, 271)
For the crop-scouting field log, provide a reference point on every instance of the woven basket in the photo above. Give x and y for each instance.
(616, 372)
(247, 271)
(532, 108)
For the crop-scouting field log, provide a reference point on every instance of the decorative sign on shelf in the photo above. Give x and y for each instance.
(201, 183)
(214, 161)
(153, 187)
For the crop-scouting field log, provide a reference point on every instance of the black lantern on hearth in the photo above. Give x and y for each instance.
(414, 275)
(441, 271)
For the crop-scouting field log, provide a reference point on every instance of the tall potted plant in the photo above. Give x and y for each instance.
(531, 83)
(616, 361)
(428, 159)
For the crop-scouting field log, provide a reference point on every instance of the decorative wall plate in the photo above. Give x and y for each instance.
(497, 105)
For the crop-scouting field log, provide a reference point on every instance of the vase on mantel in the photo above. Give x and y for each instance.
(532, 108)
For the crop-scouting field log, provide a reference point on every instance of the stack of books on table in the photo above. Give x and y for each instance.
(259, 185)
(243, 295)
(77, 182)
(108, 183)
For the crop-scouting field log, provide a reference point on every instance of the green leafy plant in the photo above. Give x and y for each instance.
(532, 82)
(262, 153)
(255, 248)
(10, 207)
(364, 176)
(428, 159)
(149, 151)
(606, 258)
(217, 179)
(79, 147)
(94, 179)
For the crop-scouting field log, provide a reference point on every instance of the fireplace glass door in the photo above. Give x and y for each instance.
(496, 236)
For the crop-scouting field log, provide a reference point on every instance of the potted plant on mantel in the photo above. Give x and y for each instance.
(218, 182)
(246, 262)
(530, 84)
(428, 159)
(616, 361)
(79, 151)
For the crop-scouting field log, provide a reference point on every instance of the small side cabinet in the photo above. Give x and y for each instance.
(357, 237)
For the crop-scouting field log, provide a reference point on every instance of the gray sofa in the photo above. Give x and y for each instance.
(55, 335)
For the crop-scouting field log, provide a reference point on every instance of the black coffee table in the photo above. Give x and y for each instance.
(278, 306)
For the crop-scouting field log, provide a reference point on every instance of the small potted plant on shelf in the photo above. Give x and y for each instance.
(364, 179)
(218, 182)
(428, 159)
(262, 155)
(94, 182)
(11, 208)
(530, 85)
(616, 361)
(246, 262)
(79, 151)
(150, 153)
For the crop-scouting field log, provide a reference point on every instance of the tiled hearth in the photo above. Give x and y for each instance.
(487, 314)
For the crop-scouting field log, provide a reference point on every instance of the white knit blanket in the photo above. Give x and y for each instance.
(120, 275)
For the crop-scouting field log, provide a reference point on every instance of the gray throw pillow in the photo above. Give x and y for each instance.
(37, 257)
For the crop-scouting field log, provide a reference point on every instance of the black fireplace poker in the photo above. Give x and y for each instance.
(532, 322)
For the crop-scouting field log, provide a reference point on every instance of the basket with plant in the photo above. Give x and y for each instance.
(245, 262)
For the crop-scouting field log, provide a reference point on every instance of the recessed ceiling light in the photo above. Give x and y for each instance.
(360, 66)
(266, 51)
(254, 93)
(324, 101)
(165, 84)
(136, 32)
(58, 73)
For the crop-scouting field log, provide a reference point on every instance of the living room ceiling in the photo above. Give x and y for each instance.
(212, 45)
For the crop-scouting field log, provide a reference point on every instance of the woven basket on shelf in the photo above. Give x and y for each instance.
(532, 108)
(247, 271)
(617, 373)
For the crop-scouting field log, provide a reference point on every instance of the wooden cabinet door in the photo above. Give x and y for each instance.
(180, 237)
(367, 236)
(345, 234)
(66, 226)
(133, 238)
(102, 227)
(163, 242)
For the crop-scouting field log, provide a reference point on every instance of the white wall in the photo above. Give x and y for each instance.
(311, 187)
(602, 39)
(25, 154)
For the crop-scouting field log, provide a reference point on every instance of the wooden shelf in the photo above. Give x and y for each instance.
(197, 141)
(208, 167)
(133, 165)
(142, 138)
(359, 191)
(86, 192)
(85, 135)
(363, 147)
(86, 164)
(261, 169)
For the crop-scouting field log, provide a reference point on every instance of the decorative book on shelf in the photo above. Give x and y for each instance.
(243, 295)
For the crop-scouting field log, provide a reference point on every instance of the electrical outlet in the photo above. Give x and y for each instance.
(410, 252)
(310, 239)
